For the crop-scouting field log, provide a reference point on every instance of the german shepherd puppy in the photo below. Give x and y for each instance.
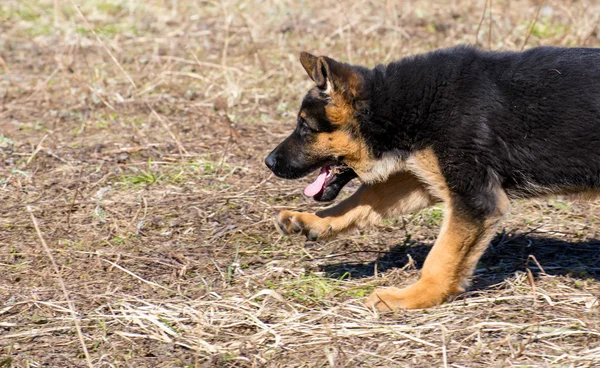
(468, 128)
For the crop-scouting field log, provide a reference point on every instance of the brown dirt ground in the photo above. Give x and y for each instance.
(139, 148)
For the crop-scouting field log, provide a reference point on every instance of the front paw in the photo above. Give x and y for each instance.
(417, 296)
(308, 224)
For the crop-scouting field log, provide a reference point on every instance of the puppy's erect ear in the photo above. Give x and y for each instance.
(329, 74)
(315, 69)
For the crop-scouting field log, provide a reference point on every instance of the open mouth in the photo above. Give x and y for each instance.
(330, 181)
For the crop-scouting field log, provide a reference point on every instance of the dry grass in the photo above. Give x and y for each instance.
(139, 148)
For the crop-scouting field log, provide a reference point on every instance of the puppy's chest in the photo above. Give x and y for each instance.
(423, 164)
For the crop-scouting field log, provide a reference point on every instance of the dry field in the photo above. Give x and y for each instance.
(136, 212)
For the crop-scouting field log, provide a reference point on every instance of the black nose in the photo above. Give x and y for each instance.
(270, 160)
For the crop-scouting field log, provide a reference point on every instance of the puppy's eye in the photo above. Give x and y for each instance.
(304, 124)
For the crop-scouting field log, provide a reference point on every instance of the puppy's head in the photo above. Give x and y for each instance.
(327, 134)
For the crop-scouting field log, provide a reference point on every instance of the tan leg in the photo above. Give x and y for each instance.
(401, 193)
(454, 256)
(446, 270)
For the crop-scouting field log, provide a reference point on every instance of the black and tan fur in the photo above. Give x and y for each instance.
(460, 126)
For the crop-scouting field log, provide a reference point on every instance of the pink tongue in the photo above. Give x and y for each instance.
(313, 189)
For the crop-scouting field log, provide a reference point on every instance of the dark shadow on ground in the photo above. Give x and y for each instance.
(506, 254)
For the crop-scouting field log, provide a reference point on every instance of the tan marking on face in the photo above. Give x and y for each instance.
(339, 111)
(342, 143)
(357, 156)
(340, 114)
